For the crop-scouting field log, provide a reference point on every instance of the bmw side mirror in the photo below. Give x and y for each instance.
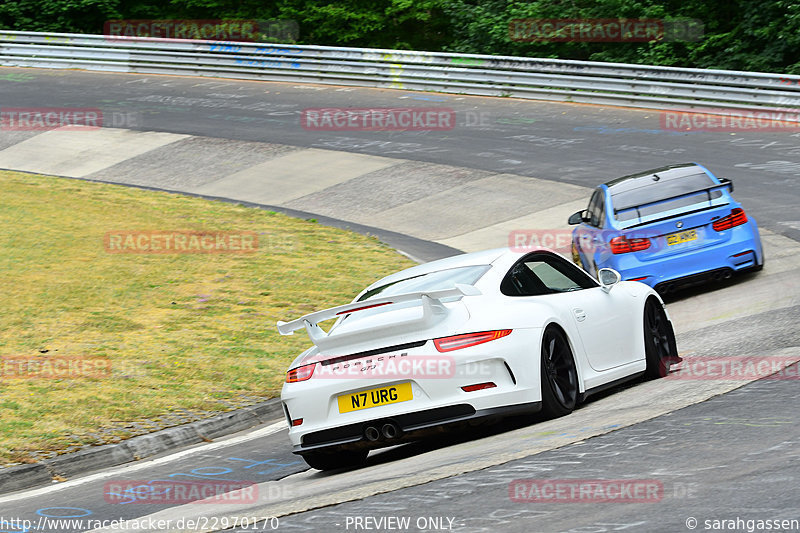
(575, 218)
(726, 181)
(608, 277)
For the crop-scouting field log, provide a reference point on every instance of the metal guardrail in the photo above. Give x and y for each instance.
(618, 84)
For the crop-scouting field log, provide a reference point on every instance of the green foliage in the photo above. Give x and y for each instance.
(83, 16)
(758, 35)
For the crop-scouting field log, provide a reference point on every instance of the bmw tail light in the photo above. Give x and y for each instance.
(736, 218)
(301, 373)
(457, 342)
(624, 245)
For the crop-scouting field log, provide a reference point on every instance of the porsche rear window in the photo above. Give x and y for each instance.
(432, 281)
(653, 191)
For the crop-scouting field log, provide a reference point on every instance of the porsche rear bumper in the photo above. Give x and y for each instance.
(412, 426)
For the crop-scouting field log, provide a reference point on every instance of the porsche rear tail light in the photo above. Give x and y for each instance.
(736, 218)
(624, 245)
(301, 373)
(478, 386)
(297, 422)
(457, 342)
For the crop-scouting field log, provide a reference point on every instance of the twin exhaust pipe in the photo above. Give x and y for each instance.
(389, 431)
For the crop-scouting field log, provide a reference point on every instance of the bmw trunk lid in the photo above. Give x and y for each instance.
(681, 232)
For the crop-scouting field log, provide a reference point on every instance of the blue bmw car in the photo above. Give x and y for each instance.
(670, 228)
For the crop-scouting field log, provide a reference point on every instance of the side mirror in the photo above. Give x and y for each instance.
(575, 218)
(608, 277)
(726, 181)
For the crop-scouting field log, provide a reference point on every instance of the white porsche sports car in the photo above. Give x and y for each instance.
(461, 339)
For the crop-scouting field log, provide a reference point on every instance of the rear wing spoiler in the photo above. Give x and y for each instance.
(431, 305)
(725, 183)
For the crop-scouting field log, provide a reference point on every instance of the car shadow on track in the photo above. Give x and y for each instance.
(710, 286)
(468, 433)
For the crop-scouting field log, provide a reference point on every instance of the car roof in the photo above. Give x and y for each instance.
(648, 177)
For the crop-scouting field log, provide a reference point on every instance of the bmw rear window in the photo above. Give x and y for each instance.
(647, 190)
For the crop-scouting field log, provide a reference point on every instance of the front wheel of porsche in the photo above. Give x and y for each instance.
(661, 351)
(559, 376)
(333, 459)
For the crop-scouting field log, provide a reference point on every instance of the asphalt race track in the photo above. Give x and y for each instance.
(718, 449)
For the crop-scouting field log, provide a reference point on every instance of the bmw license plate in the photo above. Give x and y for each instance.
(681, 236)
(375, 397)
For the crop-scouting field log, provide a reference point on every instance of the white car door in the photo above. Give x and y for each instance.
(605, 325)
(605, 320)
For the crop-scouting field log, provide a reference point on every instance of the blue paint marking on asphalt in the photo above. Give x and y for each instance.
(86, 512)
(133, 493)
(430, 98)
(226, 471)
(136, 492)
(277, 466)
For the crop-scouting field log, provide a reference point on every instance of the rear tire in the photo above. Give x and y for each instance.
(333, 459)
(558, 375)
(660, 348)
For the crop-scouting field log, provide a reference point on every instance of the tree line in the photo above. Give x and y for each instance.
(753, 35)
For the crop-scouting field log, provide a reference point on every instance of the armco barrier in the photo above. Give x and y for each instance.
(711, 91)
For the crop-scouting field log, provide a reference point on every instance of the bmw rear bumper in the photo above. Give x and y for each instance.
(742, 251)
